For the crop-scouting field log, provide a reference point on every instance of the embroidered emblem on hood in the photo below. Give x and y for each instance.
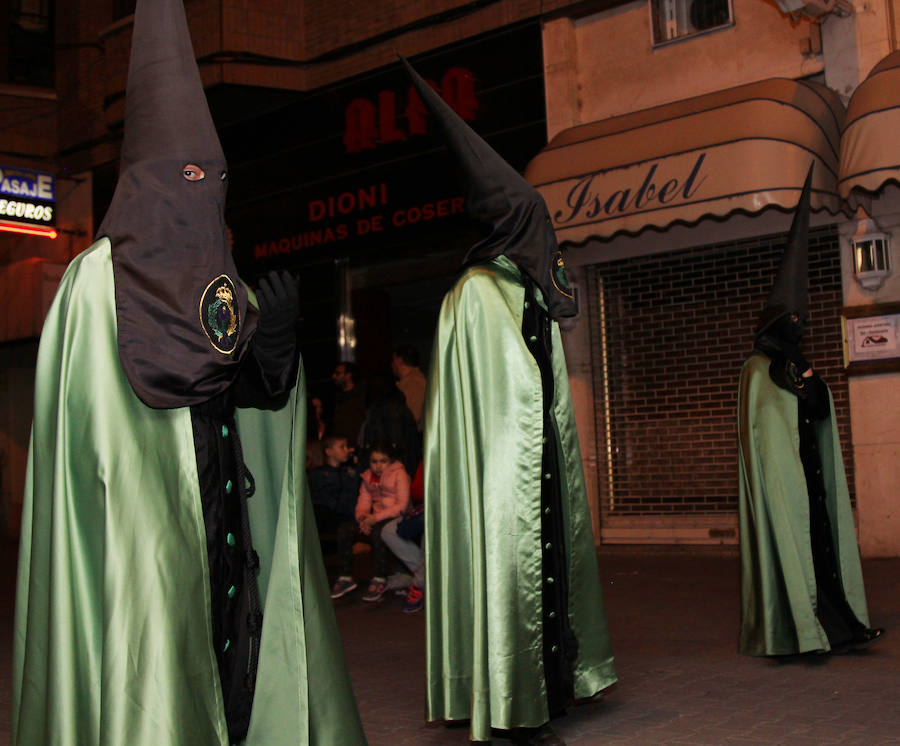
(558, 275)
(219, 314)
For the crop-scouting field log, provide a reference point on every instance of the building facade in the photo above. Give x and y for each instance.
(675, 156)
(669, 138)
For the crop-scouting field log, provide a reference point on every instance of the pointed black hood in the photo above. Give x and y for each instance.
(507, 208)
(182, 313)
(789, 294)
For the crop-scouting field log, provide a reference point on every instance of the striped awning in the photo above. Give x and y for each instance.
(742, 149)
(870, 145)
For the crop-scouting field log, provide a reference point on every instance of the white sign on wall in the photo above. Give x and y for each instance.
(873, 338)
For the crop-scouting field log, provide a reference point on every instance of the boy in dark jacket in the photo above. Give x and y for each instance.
(334, 486)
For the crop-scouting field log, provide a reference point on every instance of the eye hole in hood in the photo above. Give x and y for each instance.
(193, 172)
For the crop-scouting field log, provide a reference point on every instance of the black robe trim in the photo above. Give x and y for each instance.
(832, 609)
(560, 646)
(225, 485)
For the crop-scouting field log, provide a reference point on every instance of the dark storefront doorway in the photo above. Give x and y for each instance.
(354, 179)
(669, 333)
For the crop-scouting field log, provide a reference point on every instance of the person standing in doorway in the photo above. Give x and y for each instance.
(410, 380)
(349, 402)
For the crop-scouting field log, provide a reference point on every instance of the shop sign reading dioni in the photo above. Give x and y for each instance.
(373, 176)
(334, 218)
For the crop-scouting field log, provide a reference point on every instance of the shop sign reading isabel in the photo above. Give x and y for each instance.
(27, 201)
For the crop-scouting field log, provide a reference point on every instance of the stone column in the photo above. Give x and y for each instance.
(875, 404)
(560, 75)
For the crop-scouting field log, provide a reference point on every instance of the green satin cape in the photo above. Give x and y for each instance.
(113, 639)
(484, 426)
(778, 582)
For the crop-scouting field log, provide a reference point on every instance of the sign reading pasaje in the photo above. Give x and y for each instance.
(27, 197)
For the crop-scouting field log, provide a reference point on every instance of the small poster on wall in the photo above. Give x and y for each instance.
(871, 342)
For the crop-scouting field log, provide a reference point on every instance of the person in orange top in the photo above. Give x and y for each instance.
(383, 496)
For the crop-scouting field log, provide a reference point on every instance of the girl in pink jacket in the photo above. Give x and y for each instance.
(383, 495)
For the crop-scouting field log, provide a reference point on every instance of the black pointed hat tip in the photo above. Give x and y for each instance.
(801, 211)
(807, 185)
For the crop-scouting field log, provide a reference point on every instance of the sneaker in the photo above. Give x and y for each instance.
(342, 586)
(415, 600)
(375, 590)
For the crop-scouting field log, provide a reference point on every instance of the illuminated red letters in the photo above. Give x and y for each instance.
(368, 125)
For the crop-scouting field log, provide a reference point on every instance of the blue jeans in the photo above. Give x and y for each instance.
(408, 552)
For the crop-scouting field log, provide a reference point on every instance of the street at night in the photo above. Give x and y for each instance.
(673, 620)
(478, 289)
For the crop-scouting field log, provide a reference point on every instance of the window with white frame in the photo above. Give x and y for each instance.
(671, 20)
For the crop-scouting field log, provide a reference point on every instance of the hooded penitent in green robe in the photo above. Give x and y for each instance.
(113, 641)
(484, 424)
(778, 581)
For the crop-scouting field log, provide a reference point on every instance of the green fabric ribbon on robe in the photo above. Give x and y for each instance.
(113, 640)
(778, 581)
(484, 426)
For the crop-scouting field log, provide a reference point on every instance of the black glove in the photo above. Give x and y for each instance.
(792, 353)
(279, 306)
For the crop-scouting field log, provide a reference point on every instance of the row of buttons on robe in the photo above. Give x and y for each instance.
(549, 580)
(229, 537)
(821, 499)
(548, 546)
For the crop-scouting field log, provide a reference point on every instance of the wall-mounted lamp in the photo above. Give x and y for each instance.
(871, 254)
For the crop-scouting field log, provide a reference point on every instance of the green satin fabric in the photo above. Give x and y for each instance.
(778, 582)
(113, 639)
(484, 427)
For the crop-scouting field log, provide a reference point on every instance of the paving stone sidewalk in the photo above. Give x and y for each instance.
(673, 619)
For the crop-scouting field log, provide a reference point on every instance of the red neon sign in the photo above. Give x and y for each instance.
(368, 124)
(29, 230)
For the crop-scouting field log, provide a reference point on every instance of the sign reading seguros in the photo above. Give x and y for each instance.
(27, 197)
